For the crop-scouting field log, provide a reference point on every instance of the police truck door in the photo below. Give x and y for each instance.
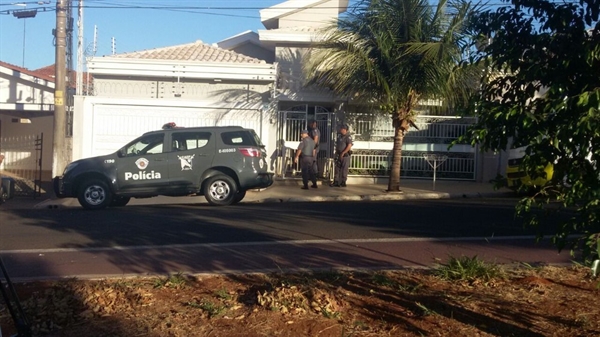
(142, 165)
(192, 153)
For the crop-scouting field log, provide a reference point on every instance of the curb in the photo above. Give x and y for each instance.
(382, 197)
(70, 202)
(53, 204)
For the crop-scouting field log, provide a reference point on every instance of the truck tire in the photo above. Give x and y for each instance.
(239, 196)
(3, 195)
(94, 194)
(119, 201)
(220, 190)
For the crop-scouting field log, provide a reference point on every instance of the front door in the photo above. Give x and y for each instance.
(143, 165)
(192, 154)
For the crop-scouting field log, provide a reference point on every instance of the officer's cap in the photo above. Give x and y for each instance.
(304, 131)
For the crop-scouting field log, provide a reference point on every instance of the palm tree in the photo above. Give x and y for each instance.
(393, 53)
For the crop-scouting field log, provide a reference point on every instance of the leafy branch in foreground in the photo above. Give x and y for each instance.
(541, 90)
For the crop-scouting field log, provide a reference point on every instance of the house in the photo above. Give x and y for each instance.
(193, 84)
(250, 79)
(255, 79)
(26, 122)
(291, 28)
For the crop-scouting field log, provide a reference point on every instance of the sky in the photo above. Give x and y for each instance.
(134, 24)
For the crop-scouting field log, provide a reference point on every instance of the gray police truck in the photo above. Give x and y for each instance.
(221, 163)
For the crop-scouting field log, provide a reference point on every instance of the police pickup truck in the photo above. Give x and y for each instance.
(221, 163)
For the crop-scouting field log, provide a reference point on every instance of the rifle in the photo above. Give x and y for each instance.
(14, 306)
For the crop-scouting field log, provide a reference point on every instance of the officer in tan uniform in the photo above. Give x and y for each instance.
(306, 149)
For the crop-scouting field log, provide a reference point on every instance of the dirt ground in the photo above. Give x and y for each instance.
(526, 301)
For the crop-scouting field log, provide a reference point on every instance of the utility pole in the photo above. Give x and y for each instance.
(79, 81)
(60, 154)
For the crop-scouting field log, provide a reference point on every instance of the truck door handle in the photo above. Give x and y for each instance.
(158, 159)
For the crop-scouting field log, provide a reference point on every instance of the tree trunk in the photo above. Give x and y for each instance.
(402, 119)
(394, 181)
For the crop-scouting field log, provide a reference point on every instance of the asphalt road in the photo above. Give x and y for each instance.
(197, 238)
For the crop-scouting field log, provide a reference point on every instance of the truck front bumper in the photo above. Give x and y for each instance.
(59, 188)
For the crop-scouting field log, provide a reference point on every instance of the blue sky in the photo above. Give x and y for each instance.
(133, 28)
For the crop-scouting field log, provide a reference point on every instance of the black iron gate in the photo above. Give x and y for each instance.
(294, 120)
(23, 163)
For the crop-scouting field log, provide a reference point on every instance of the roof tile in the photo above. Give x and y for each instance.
(197, 51)
(42, 73)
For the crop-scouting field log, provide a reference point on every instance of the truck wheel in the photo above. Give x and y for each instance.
(119, 201)
(94, 194)
(220, 190)
(239, 196)
(3, 195)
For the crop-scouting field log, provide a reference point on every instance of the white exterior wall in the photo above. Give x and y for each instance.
(290, 59)
(16, 131)
(491, 164)
(28, 92)
(37, 125)
(317, 16)
(25, 95)
(102, 125)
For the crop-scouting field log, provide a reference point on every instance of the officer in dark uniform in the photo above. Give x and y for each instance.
(315, 134)
(306, 149)
(343, 147)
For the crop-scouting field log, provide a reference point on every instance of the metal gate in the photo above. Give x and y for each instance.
(23, 163)
(325, 124)
(291, 122)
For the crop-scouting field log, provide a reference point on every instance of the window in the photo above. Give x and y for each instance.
(184, 141)
(151, 144)
(241, 137)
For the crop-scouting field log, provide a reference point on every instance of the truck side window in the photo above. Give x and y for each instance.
(183, 141)
(238, 138)
(151, 144)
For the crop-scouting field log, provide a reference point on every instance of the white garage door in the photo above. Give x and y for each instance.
(115, 125)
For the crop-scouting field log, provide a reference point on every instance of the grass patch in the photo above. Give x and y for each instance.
(360, 325)
(331, 276)
(381, 279)
(330, 314)
(223, 294)
(426, 310)
(212, 309)
(468, 269)
(409, 288)
(172, 281)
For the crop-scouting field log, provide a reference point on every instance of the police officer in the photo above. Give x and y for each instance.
(306, 149)
(315, 134)
(343, 147)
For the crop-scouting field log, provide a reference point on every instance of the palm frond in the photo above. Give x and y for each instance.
(388, 49)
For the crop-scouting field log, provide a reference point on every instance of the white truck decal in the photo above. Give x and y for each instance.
(142, 175)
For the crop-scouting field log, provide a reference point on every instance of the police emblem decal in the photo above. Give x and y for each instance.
(186, 162)
(142, 163)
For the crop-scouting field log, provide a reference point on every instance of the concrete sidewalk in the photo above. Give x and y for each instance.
(290, 191)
